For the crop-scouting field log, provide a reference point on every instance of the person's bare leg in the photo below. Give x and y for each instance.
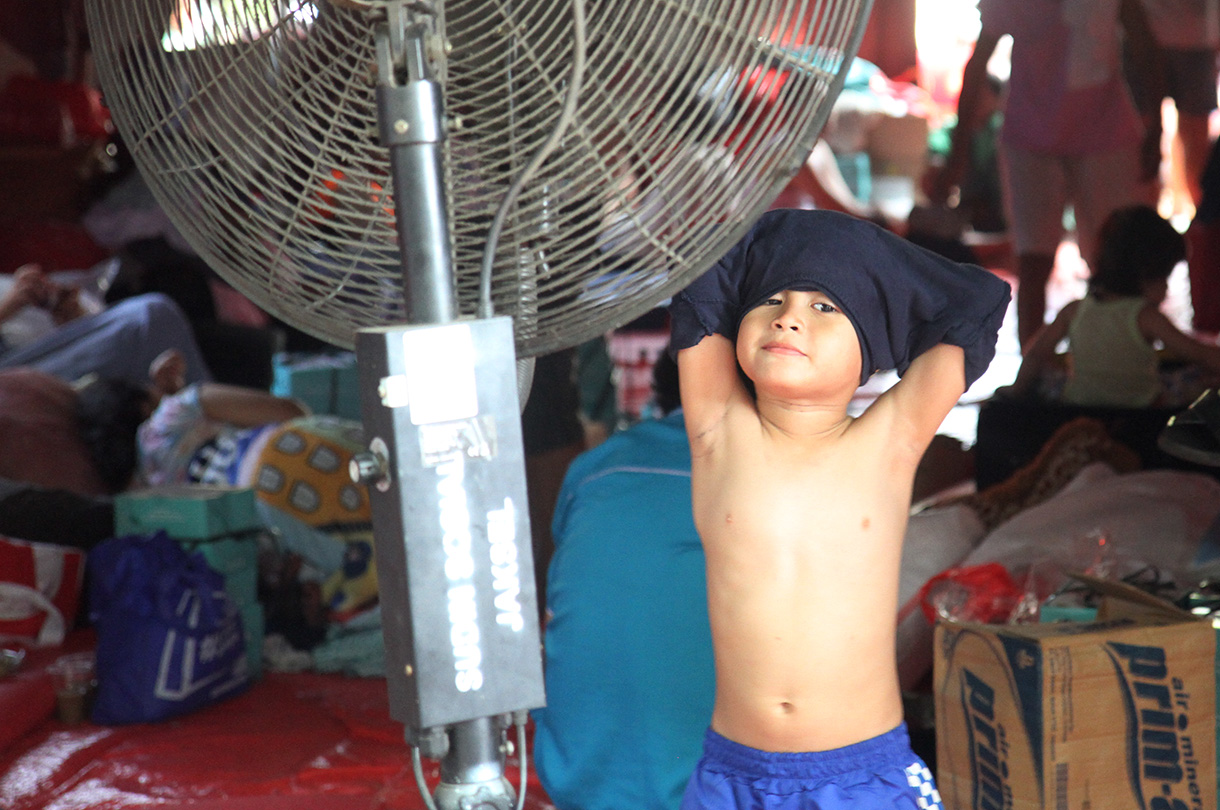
(1033, 273)
(1196, 145)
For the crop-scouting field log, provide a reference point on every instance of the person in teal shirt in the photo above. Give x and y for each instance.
(629, 673)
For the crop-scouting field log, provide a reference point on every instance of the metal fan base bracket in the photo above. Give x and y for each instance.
(446, 475)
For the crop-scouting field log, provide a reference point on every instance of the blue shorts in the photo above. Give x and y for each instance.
(876, 773)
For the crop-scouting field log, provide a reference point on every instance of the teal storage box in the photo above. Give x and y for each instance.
(236, 559)
(1067, 613)
(347, 391)
(312, 384)
(254, 626)
(186, 512)
(327, 383)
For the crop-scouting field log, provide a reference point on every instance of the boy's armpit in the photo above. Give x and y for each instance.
(707, 382)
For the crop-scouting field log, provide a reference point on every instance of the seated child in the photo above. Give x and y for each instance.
(801, 508)
(1115, 332)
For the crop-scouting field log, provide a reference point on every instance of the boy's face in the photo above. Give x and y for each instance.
(798, 344)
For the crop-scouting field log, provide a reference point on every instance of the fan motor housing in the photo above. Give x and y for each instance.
(451, 521)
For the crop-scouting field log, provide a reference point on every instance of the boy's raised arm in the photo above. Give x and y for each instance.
(707, 382)
(902, 301)
(942, 318)
(932, 385)
(703, 328)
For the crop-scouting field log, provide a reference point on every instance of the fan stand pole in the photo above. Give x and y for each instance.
(412, 126)
(445, 472)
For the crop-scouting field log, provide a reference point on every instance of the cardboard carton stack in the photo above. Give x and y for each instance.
(1115, 713)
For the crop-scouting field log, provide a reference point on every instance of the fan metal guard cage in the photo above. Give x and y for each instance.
(254, 122)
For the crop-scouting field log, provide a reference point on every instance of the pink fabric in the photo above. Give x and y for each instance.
(1066, 94)
(233, 307)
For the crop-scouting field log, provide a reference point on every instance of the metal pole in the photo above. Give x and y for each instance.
(411, 118)
(411, 125)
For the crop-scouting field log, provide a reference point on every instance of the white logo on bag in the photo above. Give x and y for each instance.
(180, 658)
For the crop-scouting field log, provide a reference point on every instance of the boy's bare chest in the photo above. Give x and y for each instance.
(767, 495)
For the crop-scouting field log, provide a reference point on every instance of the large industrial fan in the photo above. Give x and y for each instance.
(450, 186)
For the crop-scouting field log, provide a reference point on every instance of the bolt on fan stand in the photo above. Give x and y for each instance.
(445, 471)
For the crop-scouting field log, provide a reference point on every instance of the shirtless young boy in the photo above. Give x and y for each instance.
(802, 508)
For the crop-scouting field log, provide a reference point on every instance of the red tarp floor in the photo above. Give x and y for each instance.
(301, 741)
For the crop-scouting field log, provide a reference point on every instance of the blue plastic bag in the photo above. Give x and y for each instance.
(169, 637)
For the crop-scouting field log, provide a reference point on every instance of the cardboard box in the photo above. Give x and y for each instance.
(186, 512)
(1117, 713)
(327, 383)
